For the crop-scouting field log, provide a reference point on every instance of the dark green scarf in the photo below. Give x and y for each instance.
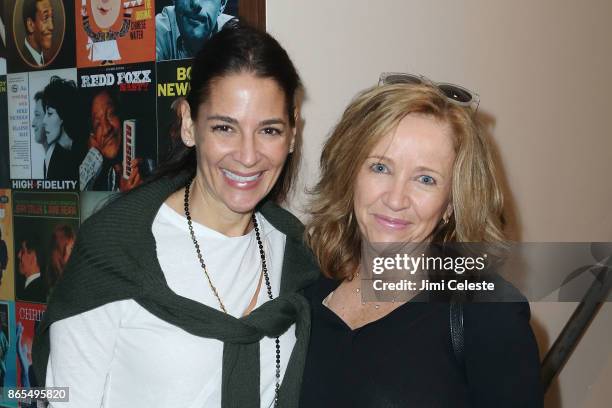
(115, 259)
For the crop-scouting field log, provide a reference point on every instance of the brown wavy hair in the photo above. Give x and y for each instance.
(476, 195)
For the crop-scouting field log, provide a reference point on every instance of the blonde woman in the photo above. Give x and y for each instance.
(417, 169)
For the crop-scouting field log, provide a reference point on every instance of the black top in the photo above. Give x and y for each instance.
(62, 165)
(405, 359)
(36, 291)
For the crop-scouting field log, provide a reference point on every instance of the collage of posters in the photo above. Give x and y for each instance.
(89, 91)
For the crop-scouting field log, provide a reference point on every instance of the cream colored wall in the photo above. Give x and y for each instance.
(542, 69)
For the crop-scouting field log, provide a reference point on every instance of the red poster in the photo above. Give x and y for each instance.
(28, 317)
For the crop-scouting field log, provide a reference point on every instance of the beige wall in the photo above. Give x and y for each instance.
(542, 69)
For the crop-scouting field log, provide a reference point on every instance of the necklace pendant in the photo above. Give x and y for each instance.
(264, 269)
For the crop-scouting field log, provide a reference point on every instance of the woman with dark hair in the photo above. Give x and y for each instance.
(59, 129)
(418, 174)
(182, 292)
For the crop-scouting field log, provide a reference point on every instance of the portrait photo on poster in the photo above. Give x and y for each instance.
(182, 26)
(112, 32)
(46, 225)
(121, 127)
(40, 35)
(45, 130)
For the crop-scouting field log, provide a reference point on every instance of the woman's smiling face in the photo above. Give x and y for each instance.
(242, 135)
(402, 190)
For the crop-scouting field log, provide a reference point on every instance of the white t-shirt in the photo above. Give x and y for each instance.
(121, 355)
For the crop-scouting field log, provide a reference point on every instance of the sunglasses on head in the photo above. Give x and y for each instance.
(455, 93)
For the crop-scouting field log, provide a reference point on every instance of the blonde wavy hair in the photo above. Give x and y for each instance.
(476, 195)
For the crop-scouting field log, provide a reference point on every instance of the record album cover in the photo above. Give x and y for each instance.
(110, 32)
(45, 130)
(40, 34)
(121, 128)
(182, 27)
(45, 229)
(27, 316)
(172, 86)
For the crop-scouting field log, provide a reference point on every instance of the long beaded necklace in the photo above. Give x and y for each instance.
(264, 268)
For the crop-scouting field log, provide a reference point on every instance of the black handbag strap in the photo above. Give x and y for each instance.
(457, 334)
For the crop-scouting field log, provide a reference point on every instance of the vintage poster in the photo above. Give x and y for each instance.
(40, 34)
(8, 353)
(7, 258)
(27, 317)
(45, 228)
(120, 107)
(110, 32)
(172, 85)
(3, 36)
(181, 26)
(19, 126)
(4, 137)
(45, 130)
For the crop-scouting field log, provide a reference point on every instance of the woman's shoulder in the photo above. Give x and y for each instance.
(138, 207)
(299, 260)
(108, 221)
(509, 319)
(282, 220)
(500, 318)
(320, 288)
(501, 356)
(500, 308)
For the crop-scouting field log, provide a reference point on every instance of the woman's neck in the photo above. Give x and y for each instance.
(210, 212)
